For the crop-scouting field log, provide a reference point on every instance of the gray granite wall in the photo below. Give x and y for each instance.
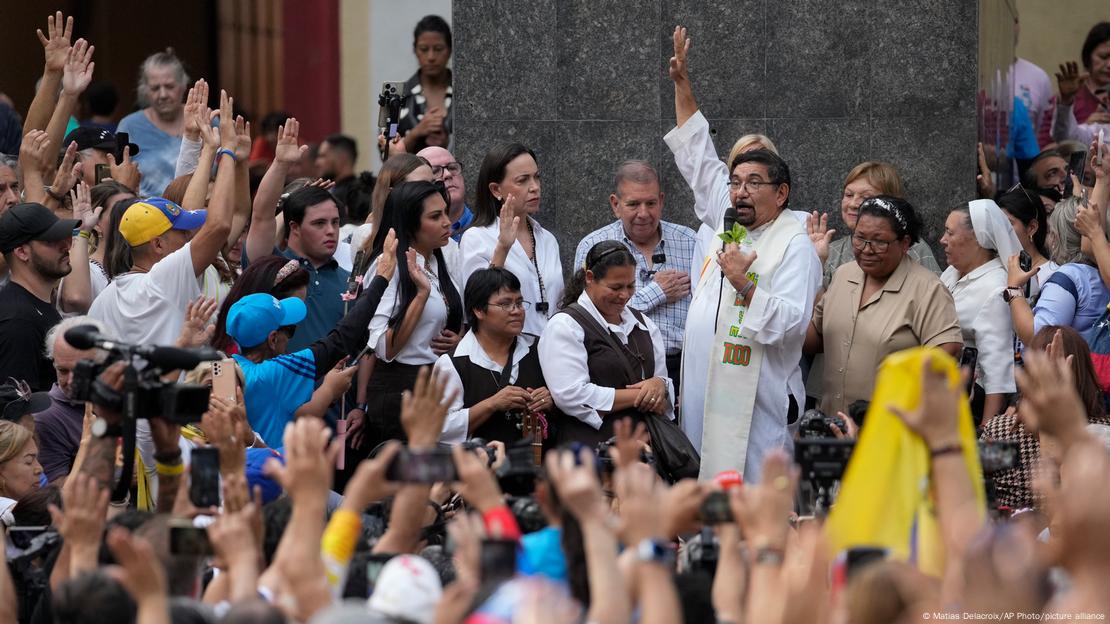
(584, 83)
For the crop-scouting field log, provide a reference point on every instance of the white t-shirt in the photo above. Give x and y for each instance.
(1034, 87)
(98, 281)
(149, 309)
(344, 255)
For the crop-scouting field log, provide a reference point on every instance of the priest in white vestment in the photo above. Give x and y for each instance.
(752, 303)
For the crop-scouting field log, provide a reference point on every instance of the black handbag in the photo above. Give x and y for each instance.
(675, 457)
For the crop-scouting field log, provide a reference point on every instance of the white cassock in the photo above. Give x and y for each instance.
(777, 318)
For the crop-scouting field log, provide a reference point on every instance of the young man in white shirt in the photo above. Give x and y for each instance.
(169, 254)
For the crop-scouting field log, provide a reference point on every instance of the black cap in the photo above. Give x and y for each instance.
(16, 402)
(23, 223)
(96, 138)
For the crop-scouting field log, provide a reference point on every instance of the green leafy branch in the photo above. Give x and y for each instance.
(738, 234)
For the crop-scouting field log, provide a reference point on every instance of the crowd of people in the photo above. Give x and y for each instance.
(243, 382)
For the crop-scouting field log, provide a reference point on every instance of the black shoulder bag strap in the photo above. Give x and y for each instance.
(578, 313)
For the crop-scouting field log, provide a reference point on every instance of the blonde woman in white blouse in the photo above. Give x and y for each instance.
(504, 233)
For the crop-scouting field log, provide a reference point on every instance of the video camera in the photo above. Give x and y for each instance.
(144, 394)
(182, 403)
(815, 424)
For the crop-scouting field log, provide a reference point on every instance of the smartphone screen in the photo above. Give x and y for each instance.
(374, 565)
(860, 556)
(103, 172)
(223, 379)
(1077, 165)
(435, 466)
(122, 139)
(497, 560)
(204, 477)
(969, 358)
(189, 540)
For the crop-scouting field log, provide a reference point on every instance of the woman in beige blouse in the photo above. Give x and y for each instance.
(865, 180)
(881, 303)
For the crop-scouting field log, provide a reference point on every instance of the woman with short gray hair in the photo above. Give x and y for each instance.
(158, 126)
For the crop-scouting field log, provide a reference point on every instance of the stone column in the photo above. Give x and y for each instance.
(584, 83)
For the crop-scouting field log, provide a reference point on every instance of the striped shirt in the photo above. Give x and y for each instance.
(677, 245)
(275, 389)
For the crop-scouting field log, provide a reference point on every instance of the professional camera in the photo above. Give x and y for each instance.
(529, 516)
(702, 552)
(517, 476)
(179, 402)
(30, 555)
(815, 424)
(480, 446)
(605, 462)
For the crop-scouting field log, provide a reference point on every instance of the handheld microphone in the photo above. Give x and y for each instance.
(730, 217)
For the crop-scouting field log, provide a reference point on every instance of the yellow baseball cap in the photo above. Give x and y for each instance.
(149, 218)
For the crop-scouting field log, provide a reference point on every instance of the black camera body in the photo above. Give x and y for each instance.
(479, 445)
(179, 402)
(816, 424)
(703, 551)
(517, 475)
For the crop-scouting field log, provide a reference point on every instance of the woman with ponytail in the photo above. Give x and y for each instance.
(601, 359)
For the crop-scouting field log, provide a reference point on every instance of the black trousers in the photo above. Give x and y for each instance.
(383, 413)
(674, 371)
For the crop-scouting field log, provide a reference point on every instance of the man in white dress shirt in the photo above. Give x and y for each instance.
(751, 304)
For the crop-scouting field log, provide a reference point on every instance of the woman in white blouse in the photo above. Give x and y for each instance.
(975, 239)
(418, 307)
(602, 360)
(505, 234)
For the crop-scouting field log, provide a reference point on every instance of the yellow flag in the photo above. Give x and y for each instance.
(886, 497)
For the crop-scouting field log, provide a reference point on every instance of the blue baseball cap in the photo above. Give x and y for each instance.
(256, 475)
(253, 317)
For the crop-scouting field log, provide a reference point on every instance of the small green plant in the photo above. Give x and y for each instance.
(738, 234)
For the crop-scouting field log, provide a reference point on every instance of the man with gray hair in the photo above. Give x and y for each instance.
(59, 427)
(664, 254)
(158, 127)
